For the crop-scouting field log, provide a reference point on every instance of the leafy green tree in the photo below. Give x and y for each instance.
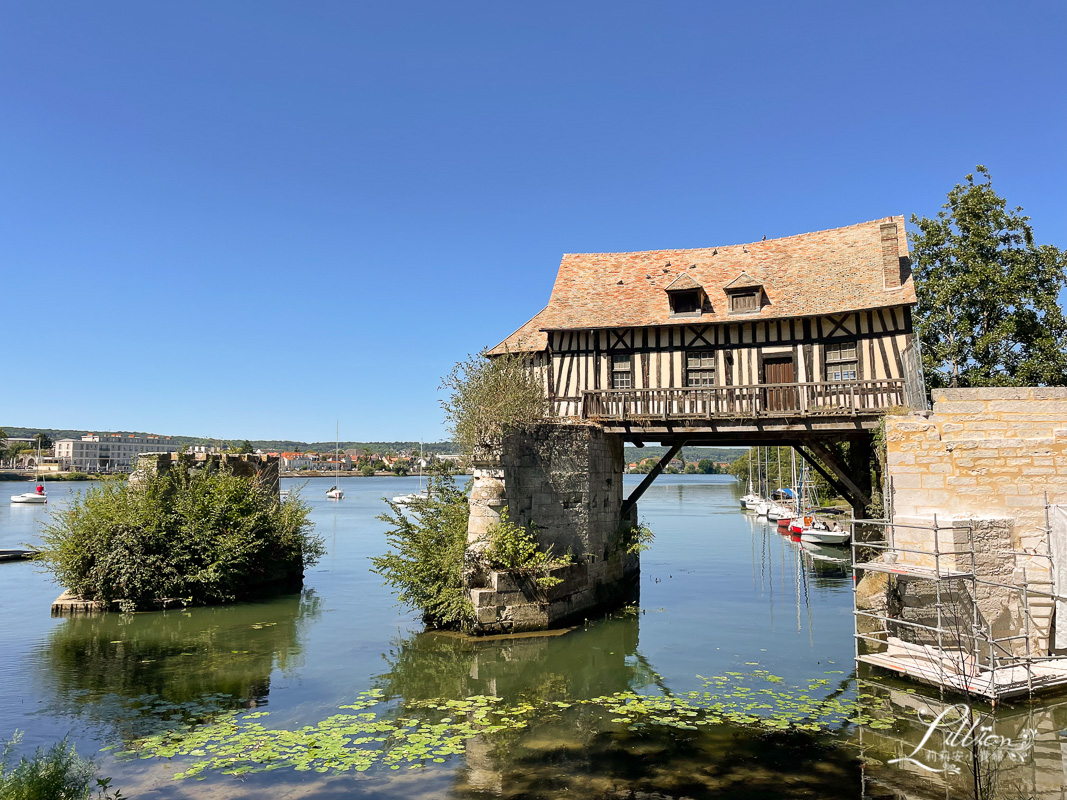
(367, 471)
(706, 466)
(988, 312)
(241, 447)
(42, 440)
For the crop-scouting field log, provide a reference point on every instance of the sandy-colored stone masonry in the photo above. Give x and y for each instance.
(983, 463)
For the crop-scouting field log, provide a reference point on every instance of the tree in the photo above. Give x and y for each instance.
(242, 447)
(490, 396)
(988, 312)
(42, 441)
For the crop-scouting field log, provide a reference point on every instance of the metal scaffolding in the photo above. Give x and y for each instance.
(958, 649)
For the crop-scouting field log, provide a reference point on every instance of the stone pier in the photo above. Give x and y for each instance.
(262, 467)
(566, 481)
(979, 468)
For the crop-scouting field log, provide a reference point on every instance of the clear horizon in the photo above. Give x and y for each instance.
(251, 221)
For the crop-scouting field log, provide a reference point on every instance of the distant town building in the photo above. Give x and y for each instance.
(109, 452)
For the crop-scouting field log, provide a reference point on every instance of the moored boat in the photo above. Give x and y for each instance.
(39, 496)
(825, 536)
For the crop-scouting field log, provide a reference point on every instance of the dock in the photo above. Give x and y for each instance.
(17, 555)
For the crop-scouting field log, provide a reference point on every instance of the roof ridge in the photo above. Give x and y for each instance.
(879, 221)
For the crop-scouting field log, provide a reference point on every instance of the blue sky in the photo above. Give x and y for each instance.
(249, 220)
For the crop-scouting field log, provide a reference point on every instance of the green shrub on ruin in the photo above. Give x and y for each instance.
(187, 535)
(488, 397)
(514, 548)
(425, 562)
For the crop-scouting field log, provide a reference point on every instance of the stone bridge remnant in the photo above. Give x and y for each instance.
(567, 481)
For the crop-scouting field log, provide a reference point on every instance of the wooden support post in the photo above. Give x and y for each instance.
(635, 495)
(844, 483)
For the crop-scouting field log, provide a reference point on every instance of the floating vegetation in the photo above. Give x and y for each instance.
(431, 731)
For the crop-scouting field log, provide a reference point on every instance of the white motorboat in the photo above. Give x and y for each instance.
(817, 536)
(335, 493)
(39, 496)
(414, 497)
(408, 499)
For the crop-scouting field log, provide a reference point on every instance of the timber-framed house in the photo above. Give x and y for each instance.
(811, 331)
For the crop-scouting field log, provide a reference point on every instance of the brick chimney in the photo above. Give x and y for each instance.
(890, 256)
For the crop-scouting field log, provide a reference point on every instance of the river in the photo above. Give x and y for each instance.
(724, 601)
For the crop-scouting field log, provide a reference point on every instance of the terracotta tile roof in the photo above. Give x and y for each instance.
(825, 272)
(527, 339)
(683, 281)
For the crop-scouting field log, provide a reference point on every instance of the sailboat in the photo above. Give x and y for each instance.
(422, 494)
(751, 499)
(39, 495)
(335, 492)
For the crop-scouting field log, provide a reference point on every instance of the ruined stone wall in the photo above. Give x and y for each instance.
(981, 464)
(263, 467)
(565, 480)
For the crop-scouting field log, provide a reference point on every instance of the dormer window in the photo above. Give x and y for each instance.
(740, 302)
(745, 293)
(686, 297)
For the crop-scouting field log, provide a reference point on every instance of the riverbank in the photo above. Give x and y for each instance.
(61, 476)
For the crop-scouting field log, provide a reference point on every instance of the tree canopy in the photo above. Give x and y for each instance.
(988, 311)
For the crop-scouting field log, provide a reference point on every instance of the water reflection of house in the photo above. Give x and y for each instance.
(1013, 768)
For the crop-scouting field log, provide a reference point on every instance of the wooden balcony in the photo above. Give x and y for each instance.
(779, 401)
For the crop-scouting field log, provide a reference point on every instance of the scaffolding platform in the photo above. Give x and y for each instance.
(1001, 683)
(912, 570)
(945, 644)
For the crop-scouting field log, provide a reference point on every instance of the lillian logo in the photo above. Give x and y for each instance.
(963, 731)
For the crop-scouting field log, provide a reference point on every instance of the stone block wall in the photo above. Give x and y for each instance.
(566, 480)
(982, 452)
(981, 464)
(265, 468)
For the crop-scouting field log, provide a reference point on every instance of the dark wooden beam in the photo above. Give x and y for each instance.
(635, 495)
(854, 494)
(831, 479)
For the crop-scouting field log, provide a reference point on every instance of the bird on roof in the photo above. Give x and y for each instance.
(764, 238)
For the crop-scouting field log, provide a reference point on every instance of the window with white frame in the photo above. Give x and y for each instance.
(621, 371)
(700, 368)
(841, 363)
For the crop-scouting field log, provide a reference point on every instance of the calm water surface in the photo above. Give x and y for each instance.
(720, 592)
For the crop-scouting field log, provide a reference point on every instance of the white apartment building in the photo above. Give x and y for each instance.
(109, 452)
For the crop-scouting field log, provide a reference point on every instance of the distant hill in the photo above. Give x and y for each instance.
(728, 454)
(261, 444)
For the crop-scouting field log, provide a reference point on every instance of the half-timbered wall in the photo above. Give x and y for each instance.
(577, 361)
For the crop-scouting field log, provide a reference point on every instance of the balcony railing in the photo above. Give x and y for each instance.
(830, 398)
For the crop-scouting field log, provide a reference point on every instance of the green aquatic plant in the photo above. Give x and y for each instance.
(370, 732)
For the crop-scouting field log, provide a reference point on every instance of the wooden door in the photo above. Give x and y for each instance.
(779, 370)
